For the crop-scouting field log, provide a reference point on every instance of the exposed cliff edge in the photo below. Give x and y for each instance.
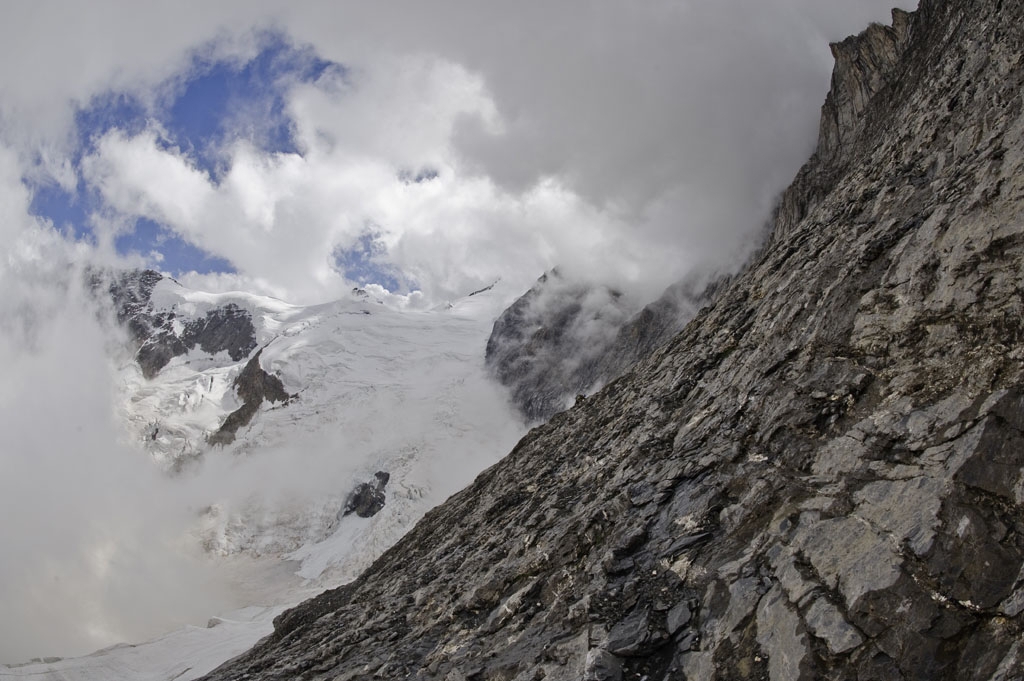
(821, 477)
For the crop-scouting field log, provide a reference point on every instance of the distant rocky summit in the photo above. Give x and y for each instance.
(565, 338)
(162, 335)
(820, 477)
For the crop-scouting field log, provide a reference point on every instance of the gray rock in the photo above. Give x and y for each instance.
(849, 555)
(602, 666)
(744, 595)
(826, 622)
(687, 641)
(906, 509)
(635, 635)
(780, 635)
(368, 498)
(678, 617)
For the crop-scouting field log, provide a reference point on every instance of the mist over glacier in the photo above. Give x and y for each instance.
(123, 523)
(427, 149)
(93, 549)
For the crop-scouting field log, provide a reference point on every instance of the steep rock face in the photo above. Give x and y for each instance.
(562, 339)
(821, 477)
(865, 65)
(130, 291)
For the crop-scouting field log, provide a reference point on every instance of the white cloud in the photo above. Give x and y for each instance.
(669, 126)
(281, 217)
(57, 55)
(93, 539)
(84, 553)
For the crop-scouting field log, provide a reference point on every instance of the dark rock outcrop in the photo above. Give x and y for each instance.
(228, 328)
(826, 465)
(130, 292)
(368, 498)
(253, 386)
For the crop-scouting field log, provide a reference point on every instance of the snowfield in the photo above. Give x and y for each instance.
(376, 387)
(184, 654)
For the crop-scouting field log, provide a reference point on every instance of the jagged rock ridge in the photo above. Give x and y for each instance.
(821, 477)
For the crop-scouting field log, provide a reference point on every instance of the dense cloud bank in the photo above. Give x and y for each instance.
(635, 141)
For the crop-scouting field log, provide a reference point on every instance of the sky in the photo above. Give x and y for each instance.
(299, 150)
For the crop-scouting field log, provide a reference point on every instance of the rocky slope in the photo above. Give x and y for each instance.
(819, 478)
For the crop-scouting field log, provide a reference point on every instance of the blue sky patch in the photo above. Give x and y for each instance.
(225, 101)
(113, 110)
(362, 264)
(215, 104)
(149, 236)
(68, 212)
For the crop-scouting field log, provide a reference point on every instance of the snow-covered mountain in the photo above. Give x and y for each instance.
(270, 416)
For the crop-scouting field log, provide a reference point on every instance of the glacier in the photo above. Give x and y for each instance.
(375, 384)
